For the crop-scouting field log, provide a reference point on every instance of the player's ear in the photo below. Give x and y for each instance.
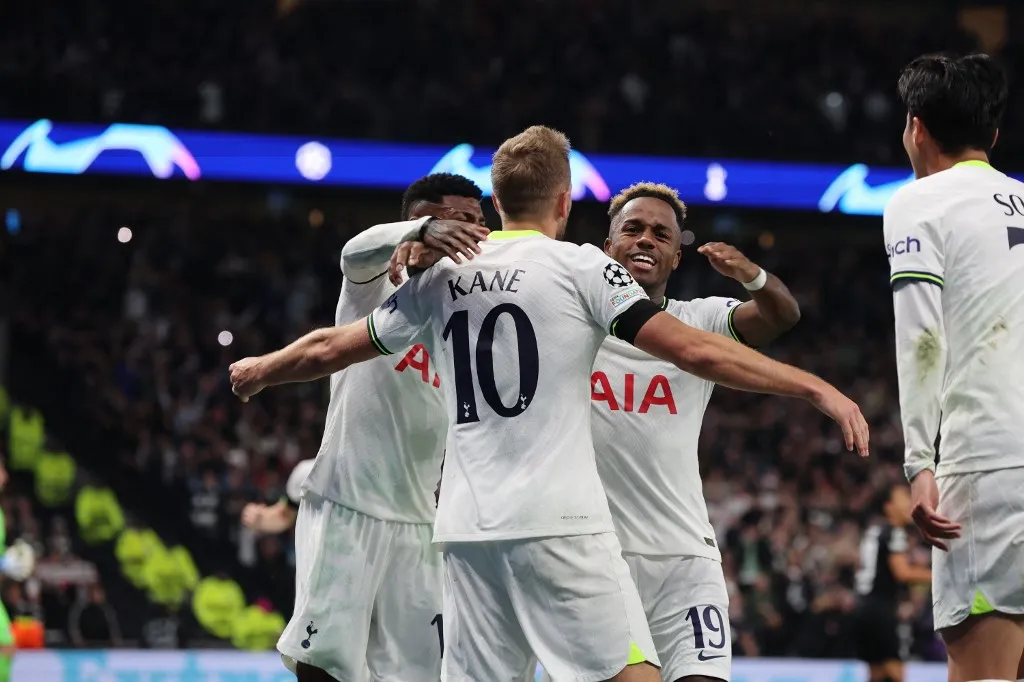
(608, 245)
(496, 204)
(917, 131)
(995, 139)
(676, 258)
(564, 204)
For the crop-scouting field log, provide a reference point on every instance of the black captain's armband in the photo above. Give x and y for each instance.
(627, 325)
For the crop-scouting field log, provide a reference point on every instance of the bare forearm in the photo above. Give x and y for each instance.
(772, 312)
(776, 306)
(716, 358)
(318, 354)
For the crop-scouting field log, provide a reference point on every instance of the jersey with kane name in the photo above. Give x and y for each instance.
(516, 330)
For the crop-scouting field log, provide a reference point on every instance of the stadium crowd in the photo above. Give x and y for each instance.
(695, 80)
(145, 330)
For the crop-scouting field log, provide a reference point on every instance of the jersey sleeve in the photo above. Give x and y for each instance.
(402, 320)
(715, 314)
(912, 242)
(921, 351)
(605, 287)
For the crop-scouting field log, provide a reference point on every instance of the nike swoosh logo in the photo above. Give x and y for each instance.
(704, 657)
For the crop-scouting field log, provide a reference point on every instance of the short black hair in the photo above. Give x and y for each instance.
(960, 100)
(435, 187)
(654, 191)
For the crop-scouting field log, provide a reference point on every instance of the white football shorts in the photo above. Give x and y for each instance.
(983, 571)
(568, 602)
(687, 606)
(368, 596)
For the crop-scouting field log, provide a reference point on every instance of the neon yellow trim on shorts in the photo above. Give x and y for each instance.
(635, 655)
(980, 605)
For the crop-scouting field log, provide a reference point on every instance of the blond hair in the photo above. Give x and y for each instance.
(653, 190)
(530, 170)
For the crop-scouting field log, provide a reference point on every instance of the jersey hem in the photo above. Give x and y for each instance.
(531, 534)
(371, 514)
(717, 558)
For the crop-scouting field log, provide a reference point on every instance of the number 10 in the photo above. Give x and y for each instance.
(529, 362)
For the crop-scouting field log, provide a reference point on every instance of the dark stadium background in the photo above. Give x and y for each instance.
(116, 344)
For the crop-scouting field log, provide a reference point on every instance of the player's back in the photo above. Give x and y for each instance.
(384, 437)
(516, 331)
(875, 579)
(969, 222)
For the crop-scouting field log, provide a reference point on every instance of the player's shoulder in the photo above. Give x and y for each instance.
(696, 311)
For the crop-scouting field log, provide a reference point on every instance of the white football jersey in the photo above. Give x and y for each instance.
(647, 415)
(517, 330)
(963, 230)
(386, 423)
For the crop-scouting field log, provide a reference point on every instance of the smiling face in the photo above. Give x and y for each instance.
(645, 238)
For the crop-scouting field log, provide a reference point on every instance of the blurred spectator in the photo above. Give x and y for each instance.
(164, 630)
(92, 622)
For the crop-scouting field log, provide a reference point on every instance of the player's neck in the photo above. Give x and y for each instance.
(657, 293)
(943, 162)
(546, 228)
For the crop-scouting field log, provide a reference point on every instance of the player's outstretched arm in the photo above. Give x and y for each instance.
(269, 519)
(367, 255)
(318, 354)
(722, 360)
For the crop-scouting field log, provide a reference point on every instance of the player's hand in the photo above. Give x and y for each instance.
(270, 519)
(847, 414)
(729, 261)
(934, 527)
(245, 378)
(454, 238)
(411, 257)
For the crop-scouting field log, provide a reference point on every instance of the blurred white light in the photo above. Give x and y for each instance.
(715, 188)
(834, 100)
(225, 338)
(313, 161)
(687, 238)
(124, 235)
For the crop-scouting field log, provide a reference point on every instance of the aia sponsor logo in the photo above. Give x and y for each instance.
(657, 393)
(417, 359)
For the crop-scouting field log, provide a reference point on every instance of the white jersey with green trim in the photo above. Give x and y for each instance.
(516, 331)
(646, 420)
(386, 423)
(962, 231)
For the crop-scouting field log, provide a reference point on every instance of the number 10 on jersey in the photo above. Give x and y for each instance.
(457, 331)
